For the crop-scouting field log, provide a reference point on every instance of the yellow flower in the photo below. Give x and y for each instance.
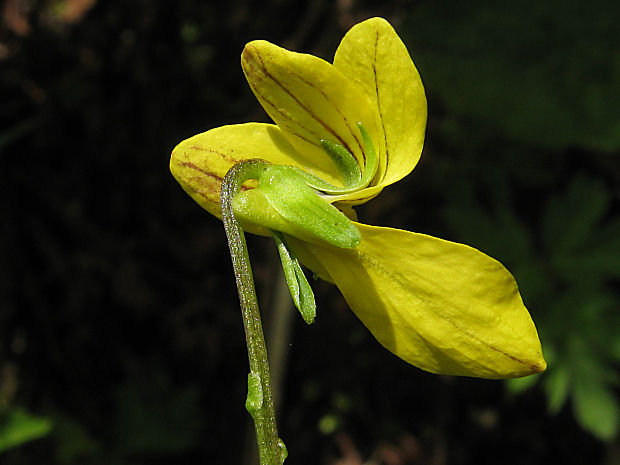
(441, 306)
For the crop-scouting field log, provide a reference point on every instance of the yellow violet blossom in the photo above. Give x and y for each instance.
(441, 306)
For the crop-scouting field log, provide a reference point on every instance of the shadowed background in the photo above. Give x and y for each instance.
(120, 335)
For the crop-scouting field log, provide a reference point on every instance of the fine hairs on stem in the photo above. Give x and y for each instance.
(259, 402)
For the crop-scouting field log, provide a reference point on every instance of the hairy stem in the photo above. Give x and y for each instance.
(259, 402)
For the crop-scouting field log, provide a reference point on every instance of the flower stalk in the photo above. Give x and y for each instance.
(259, 402)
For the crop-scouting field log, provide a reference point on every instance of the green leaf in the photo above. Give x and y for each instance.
(570, 217)
(561, 92)
(600, 259)
(557, 387)
(500, 234)
(614, 348)
(592, 378)
(72, 441)
(519, 385)
(596, 408)
(155, 417)
(18, 427)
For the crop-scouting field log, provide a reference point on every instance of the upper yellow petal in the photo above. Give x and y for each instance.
(310, 100)
(200, 163)
(441, 306)
(372, 55)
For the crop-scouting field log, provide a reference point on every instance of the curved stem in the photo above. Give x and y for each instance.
(260, 401)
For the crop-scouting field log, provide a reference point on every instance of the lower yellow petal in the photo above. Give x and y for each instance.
(441, 306)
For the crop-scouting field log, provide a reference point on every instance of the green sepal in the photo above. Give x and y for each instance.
(347, 164)
(298, 285)
(371, 162)
(291, 197)
(349, 168)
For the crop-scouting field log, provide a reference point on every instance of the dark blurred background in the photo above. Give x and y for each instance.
(120, 335)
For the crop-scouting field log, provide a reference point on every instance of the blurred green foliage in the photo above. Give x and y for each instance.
(547, 74)
(541, 85)
(18, 427)
(118, 307)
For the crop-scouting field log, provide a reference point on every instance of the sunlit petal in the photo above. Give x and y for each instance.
(441, 306)
(372, 55)
(310, 100)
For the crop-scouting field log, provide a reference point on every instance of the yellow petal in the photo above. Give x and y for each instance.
(310, 100)
(372, 55)
(443, 307)
(200, 163)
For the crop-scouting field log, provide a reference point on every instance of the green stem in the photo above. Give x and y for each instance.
(259, 402)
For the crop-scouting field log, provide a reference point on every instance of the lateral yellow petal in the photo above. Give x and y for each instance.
(200, 163)
(310, 100)
(372, 55)
(444, 307)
